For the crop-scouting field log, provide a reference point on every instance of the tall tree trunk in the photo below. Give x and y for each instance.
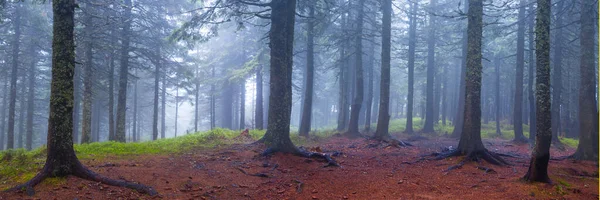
(86, 124)
(460, 111)
(429, 104)
(213, 106)
(518, 101)
(307, 102)
(383, 121)
(163, 103)
(258, 113)
(22, 113)
(342, 82)
(227, 108)
(155, 101)
(10, 137)
(557, 74)
(369, 100)
(538, 165)
(412, 31)
(444, 94)
(242, 124)
(5, 92)
(135, 110)
(176, 107)
(497, 102)
(111, 86)
(470, 139)
(197, 101)
(30, 97)
(588, 111)
(123, 74)
(281, 43)
(358, 96)
(530, 75)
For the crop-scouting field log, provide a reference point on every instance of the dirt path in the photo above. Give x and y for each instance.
(368, 171)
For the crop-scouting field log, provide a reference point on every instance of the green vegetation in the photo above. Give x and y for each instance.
(19, 165)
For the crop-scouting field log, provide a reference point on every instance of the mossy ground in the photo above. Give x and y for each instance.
(19, 165)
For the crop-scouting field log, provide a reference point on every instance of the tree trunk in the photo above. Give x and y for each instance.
(307, 102)
(22, 113)
(383, 121)
(530, 75)
(538, 165)
(369, 100)
(470, 139)
(213, 107)
(588, 111)
(163, 105)
(358, 96)
(281, 43)
(497, 102)
(460, 111)
(518, 101)
(242, 124)
(411, 69)
(3, 113)
(197, 101)
(445, 94)
(342, 82)
(155, 102)
(429, 104)
(111, 86)
(176, 108)
(557, 75)
(122, 98)
(258, 113)
(86, 124)
(10, 137)
(135, 111)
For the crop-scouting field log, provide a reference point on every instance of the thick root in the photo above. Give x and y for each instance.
(391, 141)
(306, 154)
(84, 173)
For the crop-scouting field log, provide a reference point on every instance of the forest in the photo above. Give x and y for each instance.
(299, 99)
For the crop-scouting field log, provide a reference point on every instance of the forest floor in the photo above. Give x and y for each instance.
(369, 170)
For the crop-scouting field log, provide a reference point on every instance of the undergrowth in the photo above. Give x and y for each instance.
(19, 165)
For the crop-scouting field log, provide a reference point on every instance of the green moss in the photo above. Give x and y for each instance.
(570, 142)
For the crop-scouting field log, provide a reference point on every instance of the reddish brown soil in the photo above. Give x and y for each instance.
(367, 171)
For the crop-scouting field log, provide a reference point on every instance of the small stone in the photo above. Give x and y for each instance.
(400, 181)
(345, 197)
(314, 191)
(314, 197)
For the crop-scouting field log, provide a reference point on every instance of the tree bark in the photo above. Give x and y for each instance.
(5, 92)
(412, 31)
(86, 125)
(460, 111)
(155, 102)
(429, 104)
(213, 107)
(10, 136)
(538, 165)
(307, 102)
(588, 110)
(163, 105)
(135, 111)
(123, 73)
(242, 124)
(557, 75)
(530, 75)
(258, 113)
(111, 86)
(383, 121)
(281, 43)
(518, 101)
(497, 102)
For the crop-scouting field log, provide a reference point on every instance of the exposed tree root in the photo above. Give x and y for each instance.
(84, 173)
(255, 174)
(476, 156)
(486, 169)
(391, 141)
(306, 154)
